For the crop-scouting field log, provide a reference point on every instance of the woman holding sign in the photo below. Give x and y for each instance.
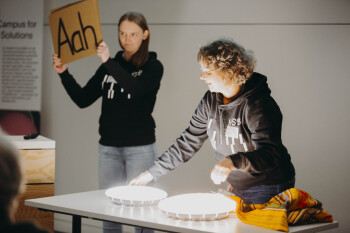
(128, 85)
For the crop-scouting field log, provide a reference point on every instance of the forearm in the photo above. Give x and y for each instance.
(74, 90)
(147, 81)
(182, 150)
(259, 160)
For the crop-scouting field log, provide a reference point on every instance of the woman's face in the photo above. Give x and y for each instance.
(131, 36)
(212, 78)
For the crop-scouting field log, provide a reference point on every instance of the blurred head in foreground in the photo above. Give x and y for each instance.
(11, 185)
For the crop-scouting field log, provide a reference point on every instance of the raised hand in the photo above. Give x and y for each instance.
(103, 51)
(57, 64)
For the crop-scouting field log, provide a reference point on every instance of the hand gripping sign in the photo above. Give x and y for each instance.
(76, 30)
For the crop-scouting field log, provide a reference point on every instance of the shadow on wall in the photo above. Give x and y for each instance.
(20, 122)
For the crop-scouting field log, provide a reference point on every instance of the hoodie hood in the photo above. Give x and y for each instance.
(119, 56)
(256, 85)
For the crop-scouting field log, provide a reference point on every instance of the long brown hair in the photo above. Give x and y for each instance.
(141, 56)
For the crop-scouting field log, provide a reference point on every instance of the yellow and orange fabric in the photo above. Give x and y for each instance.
(291, 207)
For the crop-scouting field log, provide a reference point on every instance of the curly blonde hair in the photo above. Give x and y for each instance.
(228, 58)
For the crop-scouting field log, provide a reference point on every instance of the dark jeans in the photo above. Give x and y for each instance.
(262, 193)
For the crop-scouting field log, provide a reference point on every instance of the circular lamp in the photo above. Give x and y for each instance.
(197, 206)
(135, 195)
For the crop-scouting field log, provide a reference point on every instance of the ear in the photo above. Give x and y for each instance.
(145, 34)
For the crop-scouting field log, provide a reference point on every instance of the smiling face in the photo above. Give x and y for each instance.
(131, 36)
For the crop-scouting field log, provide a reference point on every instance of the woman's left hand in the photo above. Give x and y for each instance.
(103, 51)
(221, 171)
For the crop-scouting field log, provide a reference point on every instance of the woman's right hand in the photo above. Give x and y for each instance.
(57, 64)
(143, 179)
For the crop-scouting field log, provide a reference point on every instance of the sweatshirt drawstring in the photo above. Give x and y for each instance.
(221, 125)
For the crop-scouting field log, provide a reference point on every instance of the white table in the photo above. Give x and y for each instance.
(95, 205)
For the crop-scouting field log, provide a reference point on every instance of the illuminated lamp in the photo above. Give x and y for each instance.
(197, 206)
(135, 195)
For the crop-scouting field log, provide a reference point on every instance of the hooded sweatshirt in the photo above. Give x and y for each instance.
(128, 98)
(247, 130)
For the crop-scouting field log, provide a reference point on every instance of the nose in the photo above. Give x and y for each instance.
(127, 38)
(203, 76)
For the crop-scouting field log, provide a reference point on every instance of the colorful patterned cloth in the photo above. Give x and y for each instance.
(291, 207)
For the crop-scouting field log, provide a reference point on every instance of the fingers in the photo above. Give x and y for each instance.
(219, 174)
(103, 44)
(136, 180)
(56, 60)
(142, 179)
(133, 182)
(100, 50)
(103, 51)
(57, 64)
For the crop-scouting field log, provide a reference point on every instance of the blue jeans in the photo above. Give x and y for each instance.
(118, 165)
(262, 193)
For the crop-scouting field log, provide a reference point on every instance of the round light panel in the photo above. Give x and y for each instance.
(135, 195)
(197, 206)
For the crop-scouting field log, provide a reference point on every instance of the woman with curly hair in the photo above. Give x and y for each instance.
(243, 123)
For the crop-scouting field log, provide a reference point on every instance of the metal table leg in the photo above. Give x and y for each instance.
(76, 228)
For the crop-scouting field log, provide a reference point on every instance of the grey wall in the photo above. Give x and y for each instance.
(303, 48)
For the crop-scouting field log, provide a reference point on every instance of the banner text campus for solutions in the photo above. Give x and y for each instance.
(10, 25)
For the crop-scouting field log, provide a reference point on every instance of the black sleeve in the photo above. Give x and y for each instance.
(136, 86)
(264, 120)
(83, 96)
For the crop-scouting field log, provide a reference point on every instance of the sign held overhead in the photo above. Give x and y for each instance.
(76, 30)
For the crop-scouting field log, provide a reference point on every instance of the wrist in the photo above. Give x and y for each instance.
(106, 59)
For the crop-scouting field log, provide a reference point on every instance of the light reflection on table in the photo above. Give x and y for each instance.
(154, 214)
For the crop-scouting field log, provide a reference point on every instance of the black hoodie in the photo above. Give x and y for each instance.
(248, 130)
(128, 98)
